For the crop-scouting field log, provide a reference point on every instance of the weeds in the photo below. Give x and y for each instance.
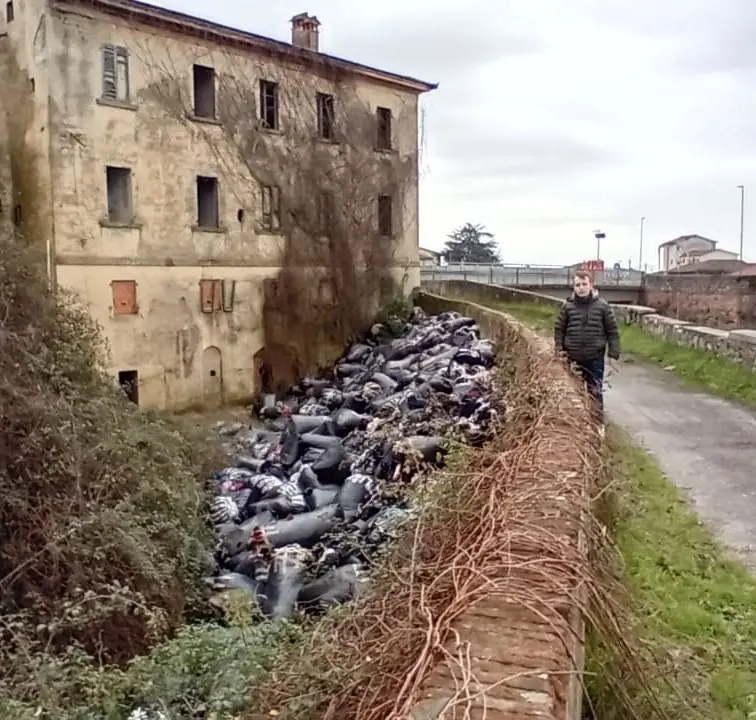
(101, 505)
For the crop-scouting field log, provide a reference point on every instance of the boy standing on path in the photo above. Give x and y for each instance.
(585, 327)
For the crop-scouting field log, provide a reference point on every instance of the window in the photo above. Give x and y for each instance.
(383, 118)
(9, 14)
(208, 215)
(385, 219)
(269, 104)
(326, 212)
(325, 116)
(119, 194)
(217, 295)
(124, 297)
(115, 73)
(129, 382)
(18, 215)
(271, 207)
(204, 92)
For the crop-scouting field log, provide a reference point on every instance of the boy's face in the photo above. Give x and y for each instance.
(582, 286)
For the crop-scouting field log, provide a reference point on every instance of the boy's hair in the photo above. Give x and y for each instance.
(584, 275)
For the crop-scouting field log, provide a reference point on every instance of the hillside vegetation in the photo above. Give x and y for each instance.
(101, 505)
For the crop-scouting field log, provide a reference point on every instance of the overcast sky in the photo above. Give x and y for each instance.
(554, 118)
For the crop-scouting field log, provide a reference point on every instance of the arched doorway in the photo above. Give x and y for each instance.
(212, 376)
(276, 368)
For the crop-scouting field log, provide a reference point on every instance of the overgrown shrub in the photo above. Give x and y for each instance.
(101, 505)
(204, 671)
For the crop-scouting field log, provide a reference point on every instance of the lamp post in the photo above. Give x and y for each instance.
(599, 235)
(742, 217)
(640, 245)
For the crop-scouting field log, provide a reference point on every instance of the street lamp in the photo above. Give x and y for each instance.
(742, 217)
(640, 248)
(599, 235)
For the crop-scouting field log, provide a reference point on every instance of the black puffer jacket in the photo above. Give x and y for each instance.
(585, 327)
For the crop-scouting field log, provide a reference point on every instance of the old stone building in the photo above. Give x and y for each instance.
(161, 161)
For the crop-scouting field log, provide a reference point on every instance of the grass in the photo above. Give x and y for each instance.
(697, 368)
(697, 607)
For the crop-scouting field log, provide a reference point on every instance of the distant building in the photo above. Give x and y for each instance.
(429, 258)
(709, 267)
(676, 252)
(692, 257)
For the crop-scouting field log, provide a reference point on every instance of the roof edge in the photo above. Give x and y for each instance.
(224, 34)
(685, 237)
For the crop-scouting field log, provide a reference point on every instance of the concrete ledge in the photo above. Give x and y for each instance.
(526, 657)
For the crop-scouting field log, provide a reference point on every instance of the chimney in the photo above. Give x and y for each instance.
(304, 31)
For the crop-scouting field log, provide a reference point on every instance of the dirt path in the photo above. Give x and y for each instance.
(705, 445)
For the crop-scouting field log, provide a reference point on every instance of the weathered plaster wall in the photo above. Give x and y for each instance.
(161, 251)
(23, 87)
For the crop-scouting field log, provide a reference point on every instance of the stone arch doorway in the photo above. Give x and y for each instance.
(212, 376)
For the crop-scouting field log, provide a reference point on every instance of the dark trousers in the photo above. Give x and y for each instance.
(592, 372)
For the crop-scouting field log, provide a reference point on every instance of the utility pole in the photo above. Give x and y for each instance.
(640, 246)
(742, 217)
(599, 235)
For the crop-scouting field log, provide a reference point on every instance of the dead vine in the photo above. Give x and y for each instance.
(496, 547)
(309, 192)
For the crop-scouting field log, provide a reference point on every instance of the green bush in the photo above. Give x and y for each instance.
(101, 505)
(204, 671)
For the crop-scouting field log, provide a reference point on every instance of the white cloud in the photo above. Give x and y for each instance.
(555, 118)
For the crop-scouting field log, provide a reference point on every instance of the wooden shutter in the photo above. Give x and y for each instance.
(206, 295)
(109, 87)
(211, 295)
(228, 293)
(124, 297)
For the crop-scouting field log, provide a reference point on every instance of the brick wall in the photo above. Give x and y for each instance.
(719, 301)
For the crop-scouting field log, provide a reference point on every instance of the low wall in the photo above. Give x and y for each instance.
(737, 345)
(719, 301)
(519, 651)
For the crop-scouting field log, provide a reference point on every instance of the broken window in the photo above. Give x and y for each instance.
(115, 73)
(204, 92)
(119, 194)
(208, 214)
(385, 215)
(129, 382)
(271, 207)
(9, 13)
(269, 104)
(383, 119)
(124, 297)
(326, 212)
(325, 116)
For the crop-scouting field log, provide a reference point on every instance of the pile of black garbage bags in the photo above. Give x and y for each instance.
(315, 493)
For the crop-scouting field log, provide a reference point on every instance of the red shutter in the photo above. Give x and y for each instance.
(124, 297)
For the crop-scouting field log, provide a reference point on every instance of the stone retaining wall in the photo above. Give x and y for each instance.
(736, 345)
(526, 659)
(721, 301)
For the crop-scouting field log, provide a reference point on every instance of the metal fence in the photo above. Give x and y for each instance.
(529, 276)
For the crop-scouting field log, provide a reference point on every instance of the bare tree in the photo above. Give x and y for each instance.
(302, 148)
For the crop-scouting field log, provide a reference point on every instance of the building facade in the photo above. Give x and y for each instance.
(151, 154)
(695, 257)
(676, 252)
